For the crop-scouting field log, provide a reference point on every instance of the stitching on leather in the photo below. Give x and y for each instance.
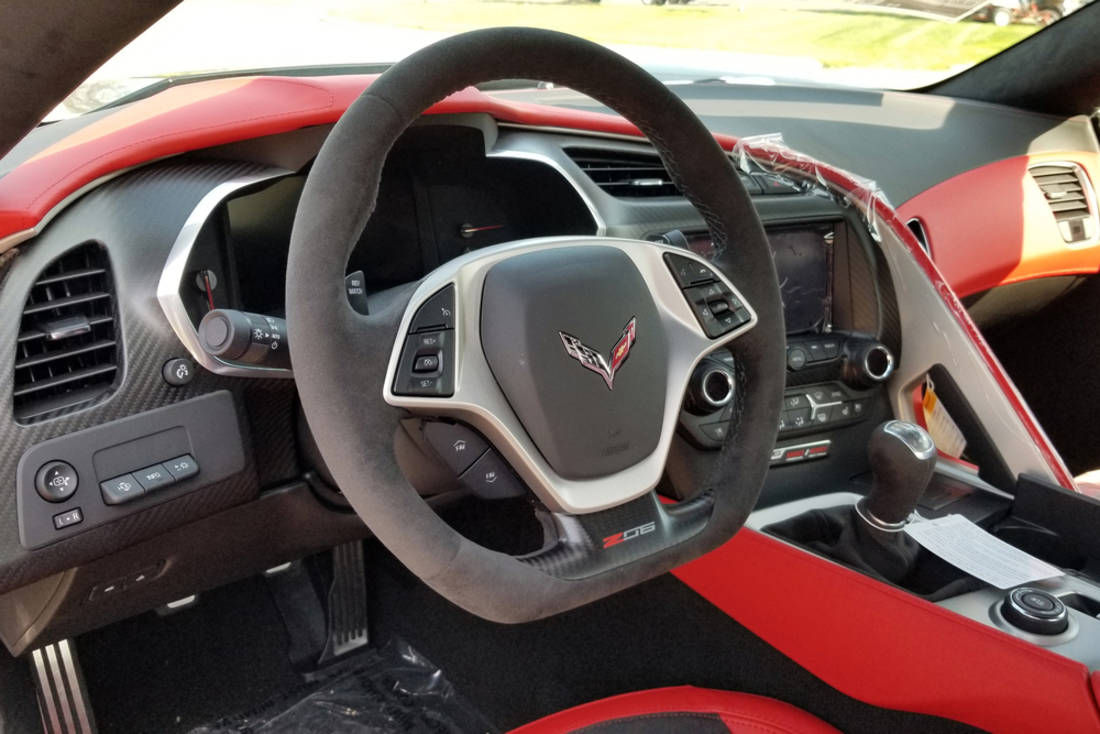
(654, 716)
(761, 722)
(743, 720)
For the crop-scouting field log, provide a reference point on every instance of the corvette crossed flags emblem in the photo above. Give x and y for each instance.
(593, 360)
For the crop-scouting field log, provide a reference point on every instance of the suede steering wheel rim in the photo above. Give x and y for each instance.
(344, 362)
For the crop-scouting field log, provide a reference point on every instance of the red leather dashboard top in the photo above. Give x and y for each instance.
(828, 619)
(205, 114)
(991, 226)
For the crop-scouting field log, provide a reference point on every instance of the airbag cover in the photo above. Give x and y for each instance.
(532, 305)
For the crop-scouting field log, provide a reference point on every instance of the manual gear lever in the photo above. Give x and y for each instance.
(868, 536)
(902, 457)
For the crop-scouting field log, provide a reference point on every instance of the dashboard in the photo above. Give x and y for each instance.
(222, 228)
(220, 441)
(144, 468)
(452, 188)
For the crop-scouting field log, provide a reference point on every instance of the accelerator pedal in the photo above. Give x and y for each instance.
(347, 602)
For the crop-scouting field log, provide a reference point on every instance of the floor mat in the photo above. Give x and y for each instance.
(393, 690)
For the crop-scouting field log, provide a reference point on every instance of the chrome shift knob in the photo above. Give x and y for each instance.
(902, 457)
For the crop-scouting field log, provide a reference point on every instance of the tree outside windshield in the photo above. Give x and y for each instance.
(890, 44)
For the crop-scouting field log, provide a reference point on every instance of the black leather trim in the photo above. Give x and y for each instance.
(659, 723)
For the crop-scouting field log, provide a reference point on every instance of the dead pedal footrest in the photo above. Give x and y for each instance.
(62, 695)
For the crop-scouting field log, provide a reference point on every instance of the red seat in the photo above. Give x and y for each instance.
(682, 708)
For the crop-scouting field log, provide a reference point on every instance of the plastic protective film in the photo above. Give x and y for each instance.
(769, 154)
(391, 690)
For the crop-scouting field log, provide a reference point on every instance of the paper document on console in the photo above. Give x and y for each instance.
(966, 546)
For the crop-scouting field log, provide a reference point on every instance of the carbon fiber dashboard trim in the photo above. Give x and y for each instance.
(137, 216)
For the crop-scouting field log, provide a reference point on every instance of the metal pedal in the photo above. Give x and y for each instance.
(347, 602)
(62, 695)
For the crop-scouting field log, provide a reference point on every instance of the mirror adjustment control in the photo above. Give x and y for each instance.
(67, 519)
(56, 481)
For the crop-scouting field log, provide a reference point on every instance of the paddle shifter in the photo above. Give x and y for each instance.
(902, 457)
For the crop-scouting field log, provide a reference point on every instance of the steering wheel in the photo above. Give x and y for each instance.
(570, 355)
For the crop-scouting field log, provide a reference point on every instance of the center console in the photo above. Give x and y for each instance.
(842, 346)
(864, 530)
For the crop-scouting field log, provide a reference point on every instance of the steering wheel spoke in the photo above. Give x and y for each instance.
(682, 309)
(590, 544)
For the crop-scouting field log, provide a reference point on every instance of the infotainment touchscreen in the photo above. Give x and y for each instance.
(803, 262)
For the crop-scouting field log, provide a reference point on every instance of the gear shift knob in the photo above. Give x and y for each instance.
(902, 457)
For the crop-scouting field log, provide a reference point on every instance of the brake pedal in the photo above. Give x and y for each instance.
(347, 602)
(62, 695)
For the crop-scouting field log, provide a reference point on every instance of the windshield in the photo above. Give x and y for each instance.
(888, 44)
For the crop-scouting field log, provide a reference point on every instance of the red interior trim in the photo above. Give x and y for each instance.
(205, 114)
(889, 648)
(991, 226)
(741, 712)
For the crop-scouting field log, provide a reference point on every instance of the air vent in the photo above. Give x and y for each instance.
(624, 174)
(67, 351)
(1070, 197)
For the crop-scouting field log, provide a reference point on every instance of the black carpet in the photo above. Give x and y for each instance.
(228, 655)
(171, 674)
(18, 707)
(660, 633)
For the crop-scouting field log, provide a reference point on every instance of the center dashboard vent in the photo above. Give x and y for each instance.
(1071, 199)
(67, 353)
(625, 174)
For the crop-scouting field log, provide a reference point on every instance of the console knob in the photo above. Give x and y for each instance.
(1036, 611)
(867, 363)
(711, 388)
